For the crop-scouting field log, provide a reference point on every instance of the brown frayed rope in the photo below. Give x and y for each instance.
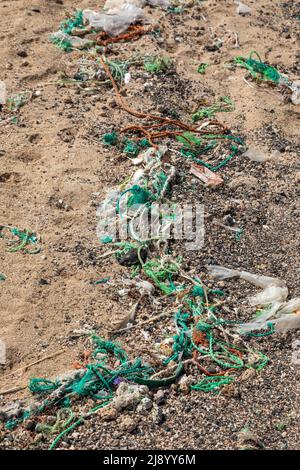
(147, 130)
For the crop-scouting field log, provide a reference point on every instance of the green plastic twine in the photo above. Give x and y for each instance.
(223, 105)
(23, 239)
(194, 147)
(202, 68)
(270, 331)
(75, 21)
(77, 423)
(212, 383)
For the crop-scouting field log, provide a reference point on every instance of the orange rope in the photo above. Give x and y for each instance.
(134, 32)
(163, 121)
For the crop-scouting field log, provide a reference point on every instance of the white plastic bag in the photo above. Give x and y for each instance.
(260, 322)
(113, 5)
(114, 23)
(291, 306)
(287, 322)
(220, 272)
(159, 3)
(269, 295)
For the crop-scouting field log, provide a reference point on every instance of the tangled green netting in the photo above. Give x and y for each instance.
(193, 147)
(223, 105)
(260, 70)
(75, 21)
(19, 240)
(98, 379)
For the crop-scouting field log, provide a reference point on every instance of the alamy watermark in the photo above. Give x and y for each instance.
(142, 222)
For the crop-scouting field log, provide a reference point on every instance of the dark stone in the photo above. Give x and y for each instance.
(22, 53)
(131, 258)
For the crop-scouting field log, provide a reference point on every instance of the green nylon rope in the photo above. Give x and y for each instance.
(77, 423)
(212, 383)
(193, 154)
(22, 238)
(267, 333)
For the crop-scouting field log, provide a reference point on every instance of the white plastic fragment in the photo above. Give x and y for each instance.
(261, 281)
(113, 5)
(261, 321)
(138, 175)
(117, 4)
(295, 98)
(287, 322)
(127, 78)
(2, 353)
(283, 315)
(291, 306)
(257, 155)
(220, 272)
(269, 295)
(2, 93)
(243, 9)
(159, 3)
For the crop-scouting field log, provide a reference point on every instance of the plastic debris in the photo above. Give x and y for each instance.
(260, 70)
(75, 22)
(269, 295)
(220, 272)
(257, 155)
(287, 322)
(261, 319)
(291, 306)
(222, 105)
(207, 176)
(281, 316)
(110, 139)
(19, 240)
(2, 277)
(202, 68)
(115, 5)
(67, 43)
(159, 3)
(276, 313)
(116, 23)
(127, 78)
(15, 102)
(243, 9)
(295, 87)
(2, 93)
(193, 147)
(108, 377)
(157, 64)
(2, 353)
(104, 280)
